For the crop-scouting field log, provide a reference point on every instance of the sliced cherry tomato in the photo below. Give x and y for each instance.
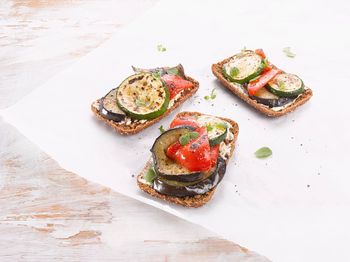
(214, 154)
(196, 156)
(261, 53)
(176, 84)
(184, 121)
(266, 77)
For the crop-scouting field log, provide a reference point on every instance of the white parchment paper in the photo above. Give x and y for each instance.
(293, 206)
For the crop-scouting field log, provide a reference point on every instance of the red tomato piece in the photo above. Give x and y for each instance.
(176, 84)
(261, 53)
(196, 156)
(214, 154)
(266, 77)
(267, 68)
(184, 121)
(172, 149)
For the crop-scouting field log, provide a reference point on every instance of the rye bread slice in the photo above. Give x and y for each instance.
(134, 127)
(237, 90)
(193, 201)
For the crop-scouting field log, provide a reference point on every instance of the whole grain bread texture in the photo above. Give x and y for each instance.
(193, 201)
(134, 127)
(238, 91)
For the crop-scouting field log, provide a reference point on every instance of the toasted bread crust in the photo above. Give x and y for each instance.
(234, 88)
(137, 127)
(197, 200)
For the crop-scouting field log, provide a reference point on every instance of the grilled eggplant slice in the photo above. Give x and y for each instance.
(159, 71)
(109, 108)
(199, 187)
(166, 167)
(265, 97)
(143, 96)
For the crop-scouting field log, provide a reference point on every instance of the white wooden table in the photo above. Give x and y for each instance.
(48, 213)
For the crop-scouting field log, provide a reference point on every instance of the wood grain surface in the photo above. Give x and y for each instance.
(47, 213)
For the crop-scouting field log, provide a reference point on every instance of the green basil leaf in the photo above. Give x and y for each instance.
(150, 175)
(209, 128)
(212, 95)
(143, 103)
(140, 103)
(161, 129)
(282, 85)
(288, 52)
(234, 72)
(221, 125)
(186, 138)
(173, 71)
(265, 62)
(161, 48)
(157, 74)
(263, 152)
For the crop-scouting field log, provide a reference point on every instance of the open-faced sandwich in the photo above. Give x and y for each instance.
(250, 76)
(144, 98)
(189, 159)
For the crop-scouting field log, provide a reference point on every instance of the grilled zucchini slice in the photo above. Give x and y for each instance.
(216, 128)
(243, 67)
(143, 96)
(286, 85)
